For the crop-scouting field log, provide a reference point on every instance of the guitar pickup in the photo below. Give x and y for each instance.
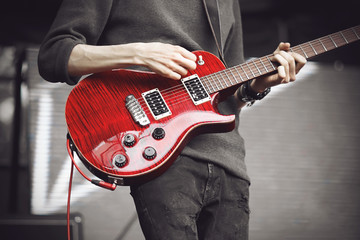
(195, 89)
(156, 103)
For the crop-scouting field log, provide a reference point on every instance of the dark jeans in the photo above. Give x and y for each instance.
(193, 200)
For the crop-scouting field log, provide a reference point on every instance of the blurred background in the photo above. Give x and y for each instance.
(302, 140)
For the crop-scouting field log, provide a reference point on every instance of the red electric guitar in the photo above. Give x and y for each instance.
(129, 126)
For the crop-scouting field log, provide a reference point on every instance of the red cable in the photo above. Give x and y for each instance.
(103, 184)
(97, 182)
(73, 161)
(68, 201)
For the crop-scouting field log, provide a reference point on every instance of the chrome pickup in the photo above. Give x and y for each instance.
(136, 111)
(156, 103)
(195, 89)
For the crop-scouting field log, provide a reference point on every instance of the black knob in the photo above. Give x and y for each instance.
(158, 133)
(119, 160)
(129, 140)
(149, 153)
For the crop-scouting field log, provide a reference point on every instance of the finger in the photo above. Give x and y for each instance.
(282, 73)
(186, 63)
(185, 58)
(186, 54)
(282, 47)
(176, 63)
(291, 63)
(300, 61)
(176, 67)
(179, 55)
(164, 69)
(168, 73)
(285, 46)
(168, 68)
(284, 68)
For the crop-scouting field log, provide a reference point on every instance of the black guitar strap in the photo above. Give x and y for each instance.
(214, 22)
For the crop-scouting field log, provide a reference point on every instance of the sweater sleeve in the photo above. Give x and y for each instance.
(77, 21)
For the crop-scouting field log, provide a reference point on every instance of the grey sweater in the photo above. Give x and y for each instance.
(184, 23)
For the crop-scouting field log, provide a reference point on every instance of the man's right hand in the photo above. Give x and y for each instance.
(164, 59)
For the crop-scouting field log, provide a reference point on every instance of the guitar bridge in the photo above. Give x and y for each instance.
(195, 89)
(136, 111)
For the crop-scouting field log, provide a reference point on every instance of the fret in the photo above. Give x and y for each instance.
(222, 86)
(226, 82)
(239, 74)
(328, 43)
(318, 47)
(303, 51)
(310, 50)
(250, 69)
(333, 41)
(271, 64)
(260, 66)
(244, 71)
(322, 44)
(234, 77)
(211, 84)
(264, 64)
(306, 49)
(313, 49)
(207, 89)
(205, 84)
(215, 81)
(256, 67)
(350, 36)
(344, 37)
(339, 39)
(296, 50)
(208, 82)
(355, 33)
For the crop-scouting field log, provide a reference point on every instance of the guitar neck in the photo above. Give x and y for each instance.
(261, 66)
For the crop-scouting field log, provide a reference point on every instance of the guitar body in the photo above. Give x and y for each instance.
(129, 126)
(120, 150)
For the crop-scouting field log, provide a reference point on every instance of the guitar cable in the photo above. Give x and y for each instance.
(100, 183)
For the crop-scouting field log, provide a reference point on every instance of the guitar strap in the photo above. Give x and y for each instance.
(213, 10)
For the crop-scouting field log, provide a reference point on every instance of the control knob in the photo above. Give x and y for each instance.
(149, 153)
(158, 133)
(119, 160)
(129, 140)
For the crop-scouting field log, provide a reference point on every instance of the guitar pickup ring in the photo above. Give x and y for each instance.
(156, 103)
(195, 89)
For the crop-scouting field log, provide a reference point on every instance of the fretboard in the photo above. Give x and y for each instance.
(261, 66)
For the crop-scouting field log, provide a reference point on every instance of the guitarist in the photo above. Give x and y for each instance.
(204, 194)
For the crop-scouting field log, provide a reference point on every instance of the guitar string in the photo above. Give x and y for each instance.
(178, 100)
(219, 76)
(209, 80)
(321, 45)
(302, 49)
(184, 95)
(316, 44)
(341, 38)
(180, 89)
